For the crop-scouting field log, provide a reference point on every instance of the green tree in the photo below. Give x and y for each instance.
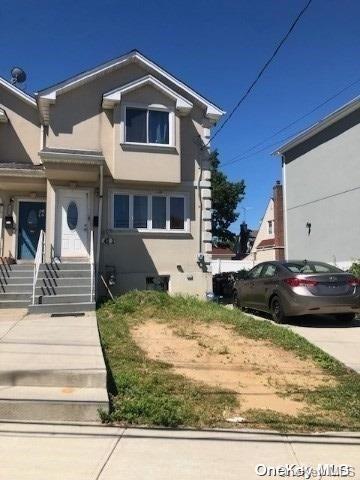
(226, 196)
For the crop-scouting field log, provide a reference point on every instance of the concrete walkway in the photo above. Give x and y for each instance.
(49, 452)
(51, 368)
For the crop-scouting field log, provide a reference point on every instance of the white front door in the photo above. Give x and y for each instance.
(73, 214)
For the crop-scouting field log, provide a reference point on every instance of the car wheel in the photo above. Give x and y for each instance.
(345, 317)
(277, 311)
(236, 301)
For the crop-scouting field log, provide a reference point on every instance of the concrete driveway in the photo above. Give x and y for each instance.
(340, 340)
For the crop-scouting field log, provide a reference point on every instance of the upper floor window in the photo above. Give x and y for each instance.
(270, 227)
(145, 125)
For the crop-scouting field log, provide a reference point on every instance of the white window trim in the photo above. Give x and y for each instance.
(152, 106)
(149, 195)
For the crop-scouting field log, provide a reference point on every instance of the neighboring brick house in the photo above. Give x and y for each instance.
(269, 241)
(222, 253)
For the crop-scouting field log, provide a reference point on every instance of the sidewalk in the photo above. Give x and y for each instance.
(49, 452)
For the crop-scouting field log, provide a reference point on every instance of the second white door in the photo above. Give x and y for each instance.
(74, 230)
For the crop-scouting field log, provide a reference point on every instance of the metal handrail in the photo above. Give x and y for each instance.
(92, 267)
(37, 262)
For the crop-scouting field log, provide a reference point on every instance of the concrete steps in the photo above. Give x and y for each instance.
(58, 298)
(52, 403)
(64, 282)
(63, 288)
(50, 377)
(52, 370)
(23, 296)
(62, 308)
(15, 285)
(13, 303)
(53, 275)
(58, 267)
(13, 280)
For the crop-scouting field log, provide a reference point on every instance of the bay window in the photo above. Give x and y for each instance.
(167, 212)
(145, 125)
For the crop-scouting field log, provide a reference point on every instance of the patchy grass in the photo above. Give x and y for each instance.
(148, 392)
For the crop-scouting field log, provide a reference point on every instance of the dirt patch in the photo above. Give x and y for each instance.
(214, 354)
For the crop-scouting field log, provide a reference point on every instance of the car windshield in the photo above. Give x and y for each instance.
(311, 267)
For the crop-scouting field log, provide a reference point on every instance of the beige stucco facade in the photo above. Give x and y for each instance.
(20, 134)
(71, 142)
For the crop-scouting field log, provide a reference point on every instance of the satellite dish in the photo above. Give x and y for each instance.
(17, 75)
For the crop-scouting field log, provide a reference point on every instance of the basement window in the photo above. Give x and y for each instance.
(160, 284)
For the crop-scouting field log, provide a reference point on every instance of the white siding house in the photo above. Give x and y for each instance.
(321, 177)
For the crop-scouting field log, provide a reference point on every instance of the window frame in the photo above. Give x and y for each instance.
(148, 107)
(149, 195)
(270, 227)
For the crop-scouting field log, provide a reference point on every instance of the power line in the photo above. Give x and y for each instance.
(262, 70)
(241, 155)
(245, 157)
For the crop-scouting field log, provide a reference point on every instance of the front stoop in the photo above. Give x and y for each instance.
(63, 288)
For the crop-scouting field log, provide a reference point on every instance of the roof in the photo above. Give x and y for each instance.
(57, 155)
(21, 166)
(267, 243)
(48, 95)
(13, 169)
(320, 125)
(111, 98)
(19, 93)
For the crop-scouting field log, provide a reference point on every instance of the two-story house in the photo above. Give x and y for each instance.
(104, 179)
(269, 242)
(321, 177)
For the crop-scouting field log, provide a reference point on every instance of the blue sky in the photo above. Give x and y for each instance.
(215, 46)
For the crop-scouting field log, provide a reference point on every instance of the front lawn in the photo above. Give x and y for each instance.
(148, 339)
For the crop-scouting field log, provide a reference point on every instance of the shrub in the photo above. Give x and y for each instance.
(355, 268)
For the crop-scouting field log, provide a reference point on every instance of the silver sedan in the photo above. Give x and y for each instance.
(298, 287)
